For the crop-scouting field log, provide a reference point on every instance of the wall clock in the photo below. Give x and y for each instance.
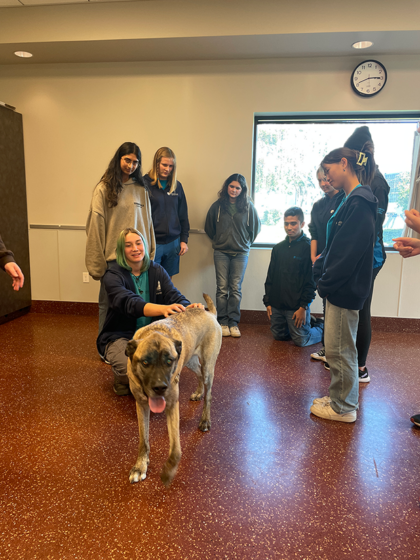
(368, 78)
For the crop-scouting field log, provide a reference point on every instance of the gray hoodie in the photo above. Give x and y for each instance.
(104, 224)
(232, 234)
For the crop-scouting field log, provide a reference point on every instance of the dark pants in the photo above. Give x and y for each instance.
(364, 331)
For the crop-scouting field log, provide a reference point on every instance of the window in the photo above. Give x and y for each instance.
(288, 151)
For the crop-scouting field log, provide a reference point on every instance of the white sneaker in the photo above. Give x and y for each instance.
(322, 400)
(235, 332)
(225, 330)
(319, 355)
(324, 410)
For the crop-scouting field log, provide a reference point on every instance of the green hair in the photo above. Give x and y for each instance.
(121, 260)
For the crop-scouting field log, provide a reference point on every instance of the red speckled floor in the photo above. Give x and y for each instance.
(268, 481)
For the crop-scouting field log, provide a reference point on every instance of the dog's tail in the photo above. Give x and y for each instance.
(210, 305)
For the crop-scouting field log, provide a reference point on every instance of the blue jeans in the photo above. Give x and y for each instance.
(168, 256)
(340, 350)
(230, 272)
(283, 328)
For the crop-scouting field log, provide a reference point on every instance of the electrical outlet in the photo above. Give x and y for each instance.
(86, 277)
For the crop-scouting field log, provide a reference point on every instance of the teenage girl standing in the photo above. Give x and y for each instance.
(344, 273)
(119, 200)
(169, 211)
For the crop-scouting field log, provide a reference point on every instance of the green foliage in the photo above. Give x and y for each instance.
(403, 190)
(271, 217)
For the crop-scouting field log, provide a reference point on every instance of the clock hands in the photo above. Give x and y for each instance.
(372, 78)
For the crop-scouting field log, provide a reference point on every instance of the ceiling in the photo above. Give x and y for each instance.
(65, 31)
(16, 3)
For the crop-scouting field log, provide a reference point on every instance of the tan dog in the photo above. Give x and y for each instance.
(157, 355)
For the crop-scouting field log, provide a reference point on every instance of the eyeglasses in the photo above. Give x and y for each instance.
(129, 161)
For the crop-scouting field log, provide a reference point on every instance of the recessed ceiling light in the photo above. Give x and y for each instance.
(23, 54)
(362, 45)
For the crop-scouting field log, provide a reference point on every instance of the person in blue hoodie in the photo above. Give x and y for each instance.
(343, 274)
(169, 211)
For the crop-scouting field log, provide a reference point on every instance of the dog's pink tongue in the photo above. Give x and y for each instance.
(157, 404)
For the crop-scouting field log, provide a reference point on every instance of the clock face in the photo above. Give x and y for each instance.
(369, 78)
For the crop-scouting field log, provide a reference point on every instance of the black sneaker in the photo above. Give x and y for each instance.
(319, 355)
(327, 366)
(416, 419)
(364, 376)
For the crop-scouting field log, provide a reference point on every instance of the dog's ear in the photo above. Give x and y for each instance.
(178, 346)
(131, 348)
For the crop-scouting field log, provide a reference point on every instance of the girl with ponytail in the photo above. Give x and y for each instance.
(344, 275)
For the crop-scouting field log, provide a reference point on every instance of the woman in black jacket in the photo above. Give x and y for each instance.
(344, 276)
(139, 291)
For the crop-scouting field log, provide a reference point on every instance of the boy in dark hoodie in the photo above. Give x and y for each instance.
(290, 287)
(344, 276)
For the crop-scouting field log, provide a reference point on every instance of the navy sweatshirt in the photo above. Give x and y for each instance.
(289, 283)
(344, 270)
(169, 213)
(125, 306)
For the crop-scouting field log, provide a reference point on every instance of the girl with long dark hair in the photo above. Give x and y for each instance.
(232, 224)
(119, 200)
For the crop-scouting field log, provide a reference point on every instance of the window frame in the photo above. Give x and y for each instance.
(361, 118)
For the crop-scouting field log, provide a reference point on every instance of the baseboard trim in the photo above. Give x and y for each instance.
(379, 324)
(14, 315)
(382, 324)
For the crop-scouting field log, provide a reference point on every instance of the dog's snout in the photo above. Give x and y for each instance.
(160, 390)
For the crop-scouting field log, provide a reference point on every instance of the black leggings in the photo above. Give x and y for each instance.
(364, 330)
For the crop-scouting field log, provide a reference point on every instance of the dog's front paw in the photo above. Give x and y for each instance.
(204, 425)
(136, 475)
(197, 396)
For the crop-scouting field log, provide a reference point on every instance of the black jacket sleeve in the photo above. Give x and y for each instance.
(380, 189)
(270, 278)
(6, 256)
(313, 229)
(183, 214)
(308, 287)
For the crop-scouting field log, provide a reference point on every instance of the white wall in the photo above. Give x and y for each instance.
(75, 117)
